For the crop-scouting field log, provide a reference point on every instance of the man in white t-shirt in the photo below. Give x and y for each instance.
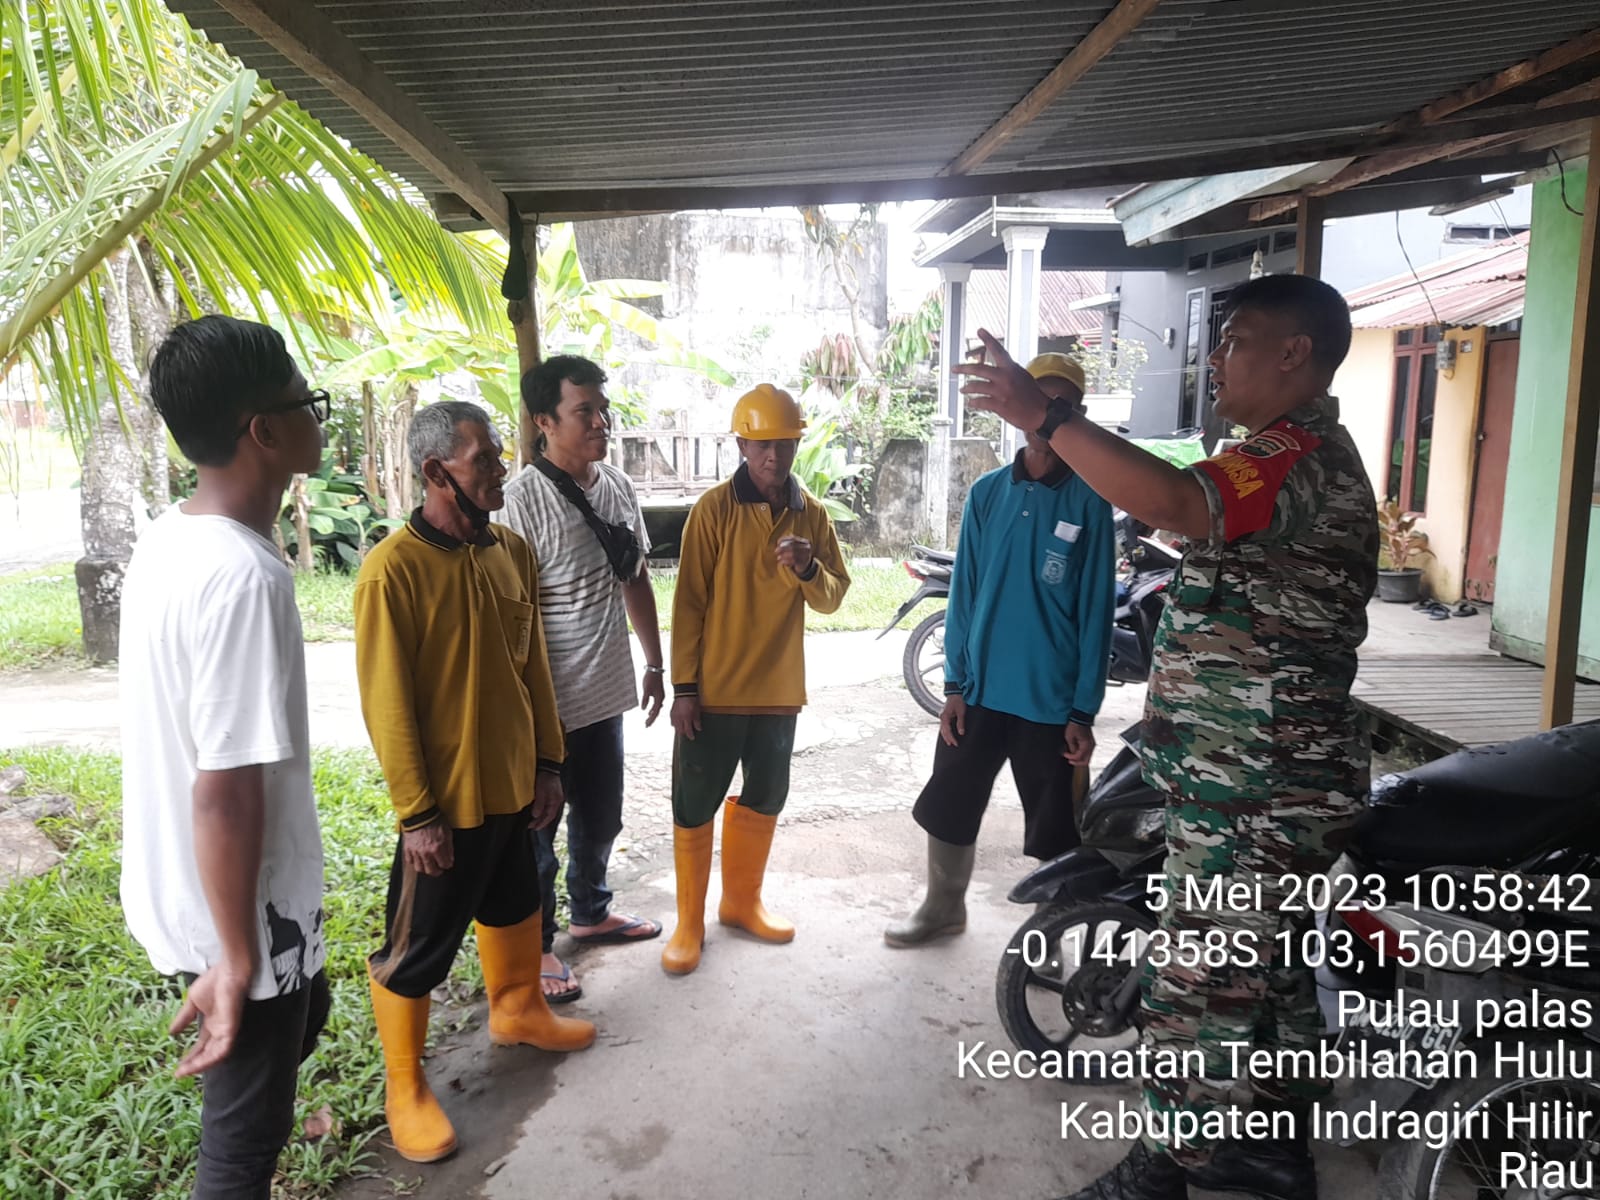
(581, 518)
(221, 852)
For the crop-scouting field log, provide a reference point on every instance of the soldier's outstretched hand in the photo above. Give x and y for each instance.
(997, 383)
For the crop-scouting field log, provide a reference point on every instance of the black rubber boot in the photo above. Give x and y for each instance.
(1271, 1168)
(1143, 1175)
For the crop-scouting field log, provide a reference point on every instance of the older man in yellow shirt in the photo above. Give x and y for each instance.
(458, 700)
(757, 549)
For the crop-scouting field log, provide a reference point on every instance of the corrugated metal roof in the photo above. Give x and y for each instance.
(718, 92)
(1480, 286)
(988, 302)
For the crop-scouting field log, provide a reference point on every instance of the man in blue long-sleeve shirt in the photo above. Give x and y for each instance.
(1027, 638)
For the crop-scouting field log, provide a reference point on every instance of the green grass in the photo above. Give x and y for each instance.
(39, 610)
(327, 600)
(39, 621)
(88, 1105)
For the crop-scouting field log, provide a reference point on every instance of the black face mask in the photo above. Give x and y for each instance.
(477, 517)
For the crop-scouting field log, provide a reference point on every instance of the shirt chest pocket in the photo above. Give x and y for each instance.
(516, 624)
(1058, 563)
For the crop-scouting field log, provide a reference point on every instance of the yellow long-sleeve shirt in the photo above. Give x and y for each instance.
(455, 683)
(738, 617)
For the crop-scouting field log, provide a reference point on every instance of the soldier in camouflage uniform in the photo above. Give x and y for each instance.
(1249, 726)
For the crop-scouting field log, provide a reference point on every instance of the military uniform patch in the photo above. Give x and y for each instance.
(1249, 475)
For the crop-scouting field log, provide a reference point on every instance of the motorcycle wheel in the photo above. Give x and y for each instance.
(1054, 993)
(1469, 1167)
(923, 663)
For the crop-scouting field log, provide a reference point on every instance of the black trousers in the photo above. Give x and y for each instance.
(494, 881)
(247, 1100)
(952, 803)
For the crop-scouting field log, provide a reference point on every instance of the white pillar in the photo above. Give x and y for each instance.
(947, 418)
(1024, 263)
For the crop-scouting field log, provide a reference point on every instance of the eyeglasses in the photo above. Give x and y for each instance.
(319, 402)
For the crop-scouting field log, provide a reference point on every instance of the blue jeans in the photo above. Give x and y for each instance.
(592, 781)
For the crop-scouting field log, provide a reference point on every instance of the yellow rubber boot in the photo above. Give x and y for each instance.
(420, 1130)
(691, 860)
(519, 1015)
(746, 841)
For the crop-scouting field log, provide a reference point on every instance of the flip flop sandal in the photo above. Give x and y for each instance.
(1436, 611)
(622, 933)
(566, 997)
(1464, 609)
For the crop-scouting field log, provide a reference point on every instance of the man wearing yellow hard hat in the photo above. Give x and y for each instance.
(756, 550)
(1027, 636)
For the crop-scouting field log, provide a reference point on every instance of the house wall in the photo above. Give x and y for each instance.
(1365, 387)
(747, 289)
(1153, 301)
(1527, 538)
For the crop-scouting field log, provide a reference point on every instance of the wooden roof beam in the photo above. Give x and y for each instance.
(1101, 41)
(1555, 59)
(297, 30)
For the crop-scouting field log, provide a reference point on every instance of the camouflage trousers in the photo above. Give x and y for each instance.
(1203, 995)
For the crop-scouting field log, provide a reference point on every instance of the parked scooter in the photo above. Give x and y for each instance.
(923, 661)
(1471, 881)
(1146, 567)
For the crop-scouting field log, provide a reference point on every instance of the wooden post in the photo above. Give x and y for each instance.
(524, 315)
(1308, 235)
(1576, 492)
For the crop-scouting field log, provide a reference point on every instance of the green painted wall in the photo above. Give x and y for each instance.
(1527, 536)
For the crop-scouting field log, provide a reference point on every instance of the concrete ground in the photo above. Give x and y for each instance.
(824, 1069)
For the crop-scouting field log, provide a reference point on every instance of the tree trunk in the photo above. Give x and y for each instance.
(369, 447)
(396, 466)
(150, 318)
(109, 497)
(305, 552)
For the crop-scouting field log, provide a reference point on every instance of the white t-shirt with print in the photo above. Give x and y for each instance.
(213, 676)
(580, 598)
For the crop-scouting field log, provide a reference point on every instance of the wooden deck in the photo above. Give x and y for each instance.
(1456, 700)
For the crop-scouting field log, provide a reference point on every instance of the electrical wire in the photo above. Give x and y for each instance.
(1414, 274)
(1562, 167)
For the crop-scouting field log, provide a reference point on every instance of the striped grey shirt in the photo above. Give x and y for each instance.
(580, 600)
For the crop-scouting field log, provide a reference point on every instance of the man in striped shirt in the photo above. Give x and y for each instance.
(581, 518)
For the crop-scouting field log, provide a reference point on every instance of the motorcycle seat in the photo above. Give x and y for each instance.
(1489, 805)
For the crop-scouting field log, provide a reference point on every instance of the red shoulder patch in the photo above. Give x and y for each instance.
(1249, 476)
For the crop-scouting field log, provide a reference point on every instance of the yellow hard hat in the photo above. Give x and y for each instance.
(767, 414)
(1058, 366)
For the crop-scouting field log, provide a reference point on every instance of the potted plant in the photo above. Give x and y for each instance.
(1399, 582)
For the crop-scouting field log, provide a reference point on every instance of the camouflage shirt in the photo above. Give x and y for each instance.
(1250, 686)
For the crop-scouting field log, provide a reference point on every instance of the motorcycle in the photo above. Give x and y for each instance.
(1146, 568)
(1452, 863)
(922, 664)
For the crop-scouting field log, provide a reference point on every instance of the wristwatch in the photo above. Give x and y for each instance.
(1059, 412)
(653, 670)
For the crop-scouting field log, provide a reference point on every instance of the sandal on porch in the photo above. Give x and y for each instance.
(1435, 610)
